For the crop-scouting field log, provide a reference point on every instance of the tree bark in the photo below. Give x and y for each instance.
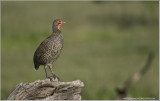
(47, 90)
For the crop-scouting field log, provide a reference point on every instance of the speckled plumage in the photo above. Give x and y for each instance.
(50, 49)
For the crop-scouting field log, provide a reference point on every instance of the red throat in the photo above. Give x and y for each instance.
(58, 27)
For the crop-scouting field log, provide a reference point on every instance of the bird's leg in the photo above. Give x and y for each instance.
(54, 76)
(45, 68)
(50, 67)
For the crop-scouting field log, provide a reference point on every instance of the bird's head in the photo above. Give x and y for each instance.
(57, 23)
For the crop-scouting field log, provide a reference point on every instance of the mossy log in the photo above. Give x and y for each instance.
(47, 90)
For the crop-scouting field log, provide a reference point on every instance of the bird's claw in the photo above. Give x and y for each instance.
(51, 79)
(56, 77)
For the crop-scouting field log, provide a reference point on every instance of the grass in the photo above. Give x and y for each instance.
(104, 44)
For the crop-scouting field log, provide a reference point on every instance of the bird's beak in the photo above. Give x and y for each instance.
(63, 22)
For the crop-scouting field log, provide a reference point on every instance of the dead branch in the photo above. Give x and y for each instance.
(122, 90)
(47, 90)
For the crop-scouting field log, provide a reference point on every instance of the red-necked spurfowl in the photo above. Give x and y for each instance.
(50, 49)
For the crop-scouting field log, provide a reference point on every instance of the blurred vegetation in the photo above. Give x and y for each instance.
(104, 44)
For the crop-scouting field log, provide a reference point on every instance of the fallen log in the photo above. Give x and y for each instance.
(47, 90)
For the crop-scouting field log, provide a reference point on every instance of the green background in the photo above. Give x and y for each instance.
(104, 44)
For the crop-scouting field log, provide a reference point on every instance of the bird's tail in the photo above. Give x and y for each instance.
(36, 66)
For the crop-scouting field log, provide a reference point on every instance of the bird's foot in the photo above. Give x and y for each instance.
(56, 77)
(51, 79)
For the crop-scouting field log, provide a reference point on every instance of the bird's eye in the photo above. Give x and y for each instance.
(59, 21)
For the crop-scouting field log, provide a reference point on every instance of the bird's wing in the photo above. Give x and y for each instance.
(41, 50)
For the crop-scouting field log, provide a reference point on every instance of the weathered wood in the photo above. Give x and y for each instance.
(47, 90)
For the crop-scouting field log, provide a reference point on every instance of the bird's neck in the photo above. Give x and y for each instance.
(56, 29)
(56, 32)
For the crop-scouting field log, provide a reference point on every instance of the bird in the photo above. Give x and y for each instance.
(49, 49)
